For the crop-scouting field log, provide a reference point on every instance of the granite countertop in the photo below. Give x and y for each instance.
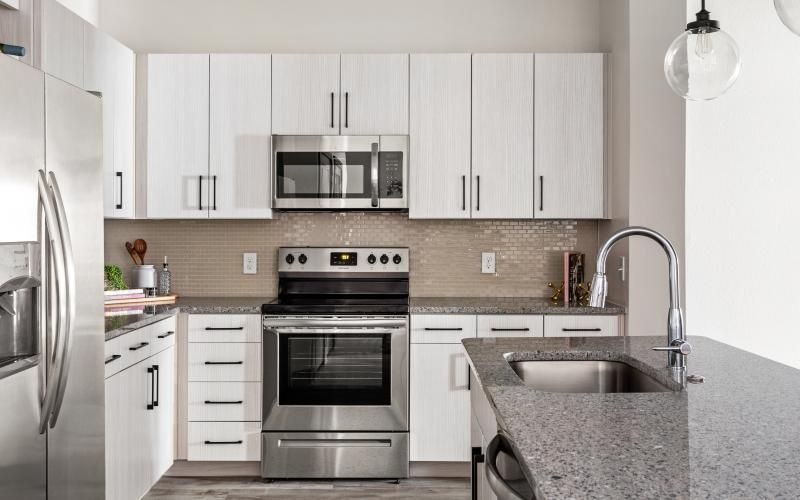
(735, 436)
(502, 305)
(120, 325)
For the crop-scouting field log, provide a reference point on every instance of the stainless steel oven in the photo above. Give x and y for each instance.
(340, 172)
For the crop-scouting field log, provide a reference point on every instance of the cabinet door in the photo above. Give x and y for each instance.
(239, 151)
(510, 325)
(439, 129)
(570, 135)
(177, 136)
(305, 94)
(374, 94)
(439, 426)
(502, 136)
(162, 440)
(62, 42)
(581, 326)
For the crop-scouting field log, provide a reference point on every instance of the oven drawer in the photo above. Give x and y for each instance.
(224, 401)
(224, 328)
(217, 362)
(224, 441)
(334, 454)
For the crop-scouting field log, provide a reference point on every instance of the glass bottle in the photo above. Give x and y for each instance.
(164, 279)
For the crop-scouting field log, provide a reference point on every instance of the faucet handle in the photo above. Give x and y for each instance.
(678, 346)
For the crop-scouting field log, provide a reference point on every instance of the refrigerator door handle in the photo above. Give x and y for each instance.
(69, 269)
(53, 235)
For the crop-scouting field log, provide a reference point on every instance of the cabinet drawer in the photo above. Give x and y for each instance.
(224, 401)
(162, 334)
(441, 328)
(510, 325)
(581, 326)
(126, 350)
(234, 362)
(224, 328)
(224, 441)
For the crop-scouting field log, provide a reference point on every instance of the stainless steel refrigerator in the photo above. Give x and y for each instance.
(51, 288)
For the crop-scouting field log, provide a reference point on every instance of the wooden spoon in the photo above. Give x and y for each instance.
(133, 253)
(140, 247)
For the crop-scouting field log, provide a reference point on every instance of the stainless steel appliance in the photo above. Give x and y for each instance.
(51, 309)
(335, 395)
(340, 172)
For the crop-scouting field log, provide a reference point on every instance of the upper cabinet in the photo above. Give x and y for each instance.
(62, 42)
(440, 141)
(328, 94)
(570, 136)
(502, 136)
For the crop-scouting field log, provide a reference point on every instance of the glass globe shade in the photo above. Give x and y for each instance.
(789, 12)
(702, 64)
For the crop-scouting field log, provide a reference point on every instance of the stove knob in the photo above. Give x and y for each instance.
(397, 259)
(303, 259)
(371, 259)
(384, 259)
(290, 259)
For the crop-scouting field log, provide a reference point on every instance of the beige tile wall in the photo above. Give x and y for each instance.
(206, 256)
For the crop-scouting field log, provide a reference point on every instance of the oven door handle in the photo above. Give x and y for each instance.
(335, 323)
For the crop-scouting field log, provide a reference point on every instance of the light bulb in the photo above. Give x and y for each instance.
(705, 45)
(789, 13)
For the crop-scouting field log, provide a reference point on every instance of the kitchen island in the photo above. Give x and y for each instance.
(737, 435)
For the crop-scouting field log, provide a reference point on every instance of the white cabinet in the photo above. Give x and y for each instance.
(441, 328)
(305, 94)
(61, 42)
(374, 94)
(581, 326)
(162, 439)
(177, 183)
(483, 429)
(240, 140)
(502, 136)
(510, 325)
(570, 136)
(110, 68)
(440, 136)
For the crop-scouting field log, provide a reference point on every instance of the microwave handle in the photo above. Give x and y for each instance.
(374, 174)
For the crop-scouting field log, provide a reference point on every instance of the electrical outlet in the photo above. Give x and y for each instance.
(249, 263)
(487, 263)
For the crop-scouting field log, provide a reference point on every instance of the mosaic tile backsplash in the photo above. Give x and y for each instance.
(206, 256)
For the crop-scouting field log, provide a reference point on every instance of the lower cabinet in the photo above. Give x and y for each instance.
(581, 326)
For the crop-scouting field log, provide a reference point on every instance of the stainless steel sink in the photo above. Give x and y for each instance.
(585, 377)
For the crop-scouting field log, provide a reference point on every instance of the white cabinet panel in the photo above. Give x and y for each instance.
(240, 140)
(570, 135)
(374, 94)
(510, 325)
(440, 126)
(581, 326)
(441, 328)
(439, 408)
(225, 362)
(177, 135)
(224, 401)
(162, 334)
(305, 94)
(225, 328)
(62, 42)
(161, 446)
(224, 441)
(502, 136)
(126, 350)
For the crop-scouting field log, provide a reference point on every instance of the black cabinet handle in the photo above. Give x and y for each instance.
(214, 184)
(158, 384)
(165, 335)
(331, 109)
(511, 329)
(12, 50)
(469, 379)
(478, 191)
(463, 192)
(208, 402)
(541, 193)
(200, 192)
(119, 205)
(444, 329)
(477, 458)
(223, 328)
(151, 372)
(581, 329)
(224, 362)
(139, 346)
(346, 109)
(113, 358)
(224, 442)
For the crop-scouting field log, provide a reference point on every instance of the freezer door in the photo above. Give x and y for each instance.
(75, 444)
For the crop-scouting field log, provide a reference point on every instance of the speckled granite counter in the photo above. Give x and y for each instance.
(120, 325)
(735, 436)
(501, 305)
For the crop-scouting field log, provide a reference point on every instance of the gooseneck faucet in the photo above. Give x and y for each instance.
(678, 348)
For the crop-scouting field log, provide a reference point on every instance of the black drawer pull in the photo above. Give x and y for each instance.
(113, 358)
(137, 347)
(444, 329)
(223, 328)
(165, 335)
(157, 376)
(511, 329)
(224, 442)
(581, 329)
(224, 402)
(224, 362)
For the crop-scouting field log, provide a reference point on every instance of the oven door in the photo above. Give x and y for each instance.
(335, 374)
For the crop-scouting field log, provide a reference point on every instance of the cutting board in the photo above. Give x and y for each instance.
(162, 299)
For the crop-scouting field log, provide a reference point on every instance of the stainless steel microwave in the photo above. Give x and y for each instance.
(340, 172)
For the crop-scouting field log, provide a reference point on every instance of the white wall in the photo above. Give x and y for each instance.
(352, 25)
(742, 203)
(87, 9)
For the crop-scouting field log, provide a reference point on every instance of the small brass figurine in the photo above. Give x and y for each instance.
(584, 293)
(558, 292)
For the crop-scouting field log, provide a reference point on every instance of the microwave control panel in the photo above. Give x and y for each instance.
(390, 178)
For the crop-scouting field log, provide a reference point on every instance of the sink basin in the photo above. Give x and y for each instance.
(585, 377)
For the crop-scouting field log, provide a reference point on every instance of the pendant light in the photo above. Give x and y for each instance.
(789, 12)
(703, 61)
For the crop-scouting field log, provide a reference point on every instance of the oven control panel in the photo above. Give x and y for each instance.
(350, 259)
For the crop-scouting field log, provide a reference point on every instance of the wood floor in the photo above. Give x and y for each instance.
(231, 488)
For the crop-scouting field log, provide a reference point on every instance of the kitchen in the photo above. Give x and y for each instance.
(367, 225)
